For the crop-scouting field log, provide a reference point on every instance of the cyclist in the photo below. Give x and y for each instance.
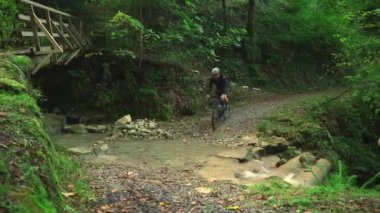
(221, 92)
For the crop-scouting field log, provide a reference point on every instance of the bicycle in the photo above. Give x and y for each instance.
(219, 112)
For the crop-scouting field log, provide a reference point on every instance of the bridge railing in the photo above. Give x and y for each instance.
(48, 32)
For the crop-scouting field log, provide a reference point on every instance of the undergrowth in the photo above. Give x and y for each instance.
(320, 124)
(337, 194)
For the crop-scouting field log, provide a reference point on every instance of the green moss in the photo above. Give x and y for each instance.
(20, 104)
(293, 123)
(12, 85)
(32, 171)
(11, 70)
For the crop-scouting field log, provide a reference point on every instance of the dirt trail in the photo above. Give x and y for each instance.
(160, 175)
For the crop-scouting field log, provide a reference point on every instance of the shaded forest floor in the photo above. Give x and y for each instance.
(160, 176)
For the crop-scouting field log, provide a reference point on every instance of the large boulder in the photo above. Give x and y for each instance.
(274, 144)
(54, 123)
(96, 128)
(312, 176)
(89, 118)
(75, 129)
(241, 154)
(124, 120)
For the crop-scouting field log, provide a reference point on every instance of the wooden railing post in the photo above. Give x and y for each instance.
(35, 30)
(65, 36)
(50, 29)
(80, 28)
(61, 22)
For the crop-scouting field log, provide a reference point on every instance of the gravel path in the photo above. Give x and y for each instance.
(123, 188)
(126, 189)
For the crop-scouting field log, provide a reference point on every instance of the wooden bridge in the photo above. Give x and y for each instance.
(47, 35)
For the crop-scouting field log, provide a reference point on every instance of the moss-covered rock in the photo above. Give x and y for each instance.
(32, 171)
(9, 84)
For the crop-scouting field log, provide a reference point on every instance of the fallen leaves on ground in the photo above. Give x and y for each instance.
(22, 109)
(68, 194)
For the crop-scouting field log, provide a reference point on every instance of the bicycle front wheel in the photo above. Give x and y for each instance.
(214, 119)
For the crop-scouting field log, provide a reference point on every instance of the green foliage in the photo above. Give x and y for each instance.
(8, 11)
(295, 123)
(124, 21)
(339, 187)
(165, 112)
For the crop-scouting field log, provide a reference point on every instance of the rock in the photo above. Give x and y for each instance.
(280, 163)
(271, 161)
(129, 126)
(81, 150)
(141, 128)
(100, 142)
(116, 131)
(96, 128)
(240, 154)
(291, 151)
(72, 118)
(104, 147)
(167, 135)
(145, 131)
(251, 140)
(312, 176)
(204, 190)
(245, 87)
(250, 175)
(292, 166)
(152, 125)
(140, 123)
(241, 143)
(124, 120)
(93, 118)
(56, 110)
(308, 158)
(54, 123)
(75, 129)
(195, 135)
(274, 144)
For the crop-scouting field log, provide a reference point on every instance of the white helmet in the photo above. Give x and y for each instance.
(215, 71)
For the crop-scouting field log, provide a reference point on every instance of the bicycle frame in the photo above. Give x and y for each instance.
(218, 111)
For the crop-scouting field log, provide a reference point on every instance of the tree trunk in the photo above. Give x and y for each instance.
(247, 43)
(141, 37)
(251, 20)
(224, 16)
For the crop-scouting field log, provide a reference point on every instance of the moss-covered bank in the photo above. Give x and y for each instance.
(33, 174)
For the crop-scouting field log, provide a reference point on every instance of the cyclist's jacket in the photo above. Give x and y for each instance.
(221, 84)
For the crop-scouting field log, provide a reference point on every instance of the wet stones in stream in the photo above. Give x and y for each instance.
(141, 128)
(250, 165)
